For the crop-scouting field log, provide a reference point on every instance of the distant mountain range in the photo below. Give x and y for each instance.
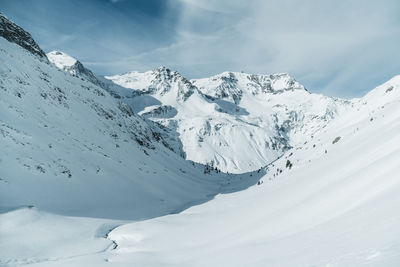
(236, 122)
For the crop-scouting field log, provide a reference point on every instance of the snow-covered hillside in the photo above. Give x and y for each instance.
(70, 147)
(238, 122)
(92, 173)
(332, 201)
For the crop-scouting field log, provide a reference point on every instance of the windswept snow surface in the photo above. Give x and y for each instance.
(32, 237)
(337, 205)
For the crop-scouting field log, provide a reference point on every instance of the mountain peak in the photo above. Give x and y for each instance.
(162, 69)
(166, 80)
(159, 81)
(233, 85)
(15, 34)
(70, 64)
(61, 60)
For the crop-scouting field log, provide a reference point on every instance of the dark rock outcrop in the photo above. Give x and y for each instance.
(15, 34)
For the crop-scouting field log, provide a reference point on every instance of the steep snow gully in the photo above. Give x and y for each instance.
(153, 169)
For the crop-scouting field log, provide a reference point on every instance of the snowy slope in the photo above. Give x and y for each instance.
(337, 205)
(330, 202)
(29, 237)
(238, 122)
(71, 65)
(71, 148)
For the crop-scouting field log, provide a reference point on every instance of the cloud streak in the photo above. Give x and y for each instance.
(340, 48)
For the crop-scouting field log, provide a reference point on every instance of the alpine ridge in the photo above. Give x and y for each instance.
(69, 64)
(15, 34)
(235, 121)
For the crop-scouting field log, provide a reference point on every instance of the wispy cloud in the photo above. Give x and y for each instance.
(341, 48)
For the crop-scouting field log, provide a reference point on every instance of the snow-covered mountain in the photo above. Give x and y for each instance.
(333, 201)
(69, 64)
(233, 85)
(70, 147)
(109, 153)
(235, 121)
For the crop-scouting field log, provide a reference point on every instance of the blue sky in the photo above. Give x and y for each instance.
(339, 48)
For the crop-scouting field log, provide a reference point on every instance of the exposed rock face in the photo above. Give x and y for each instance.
(161, 81)
(231, 86)
(165, 79)
(15, 34)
